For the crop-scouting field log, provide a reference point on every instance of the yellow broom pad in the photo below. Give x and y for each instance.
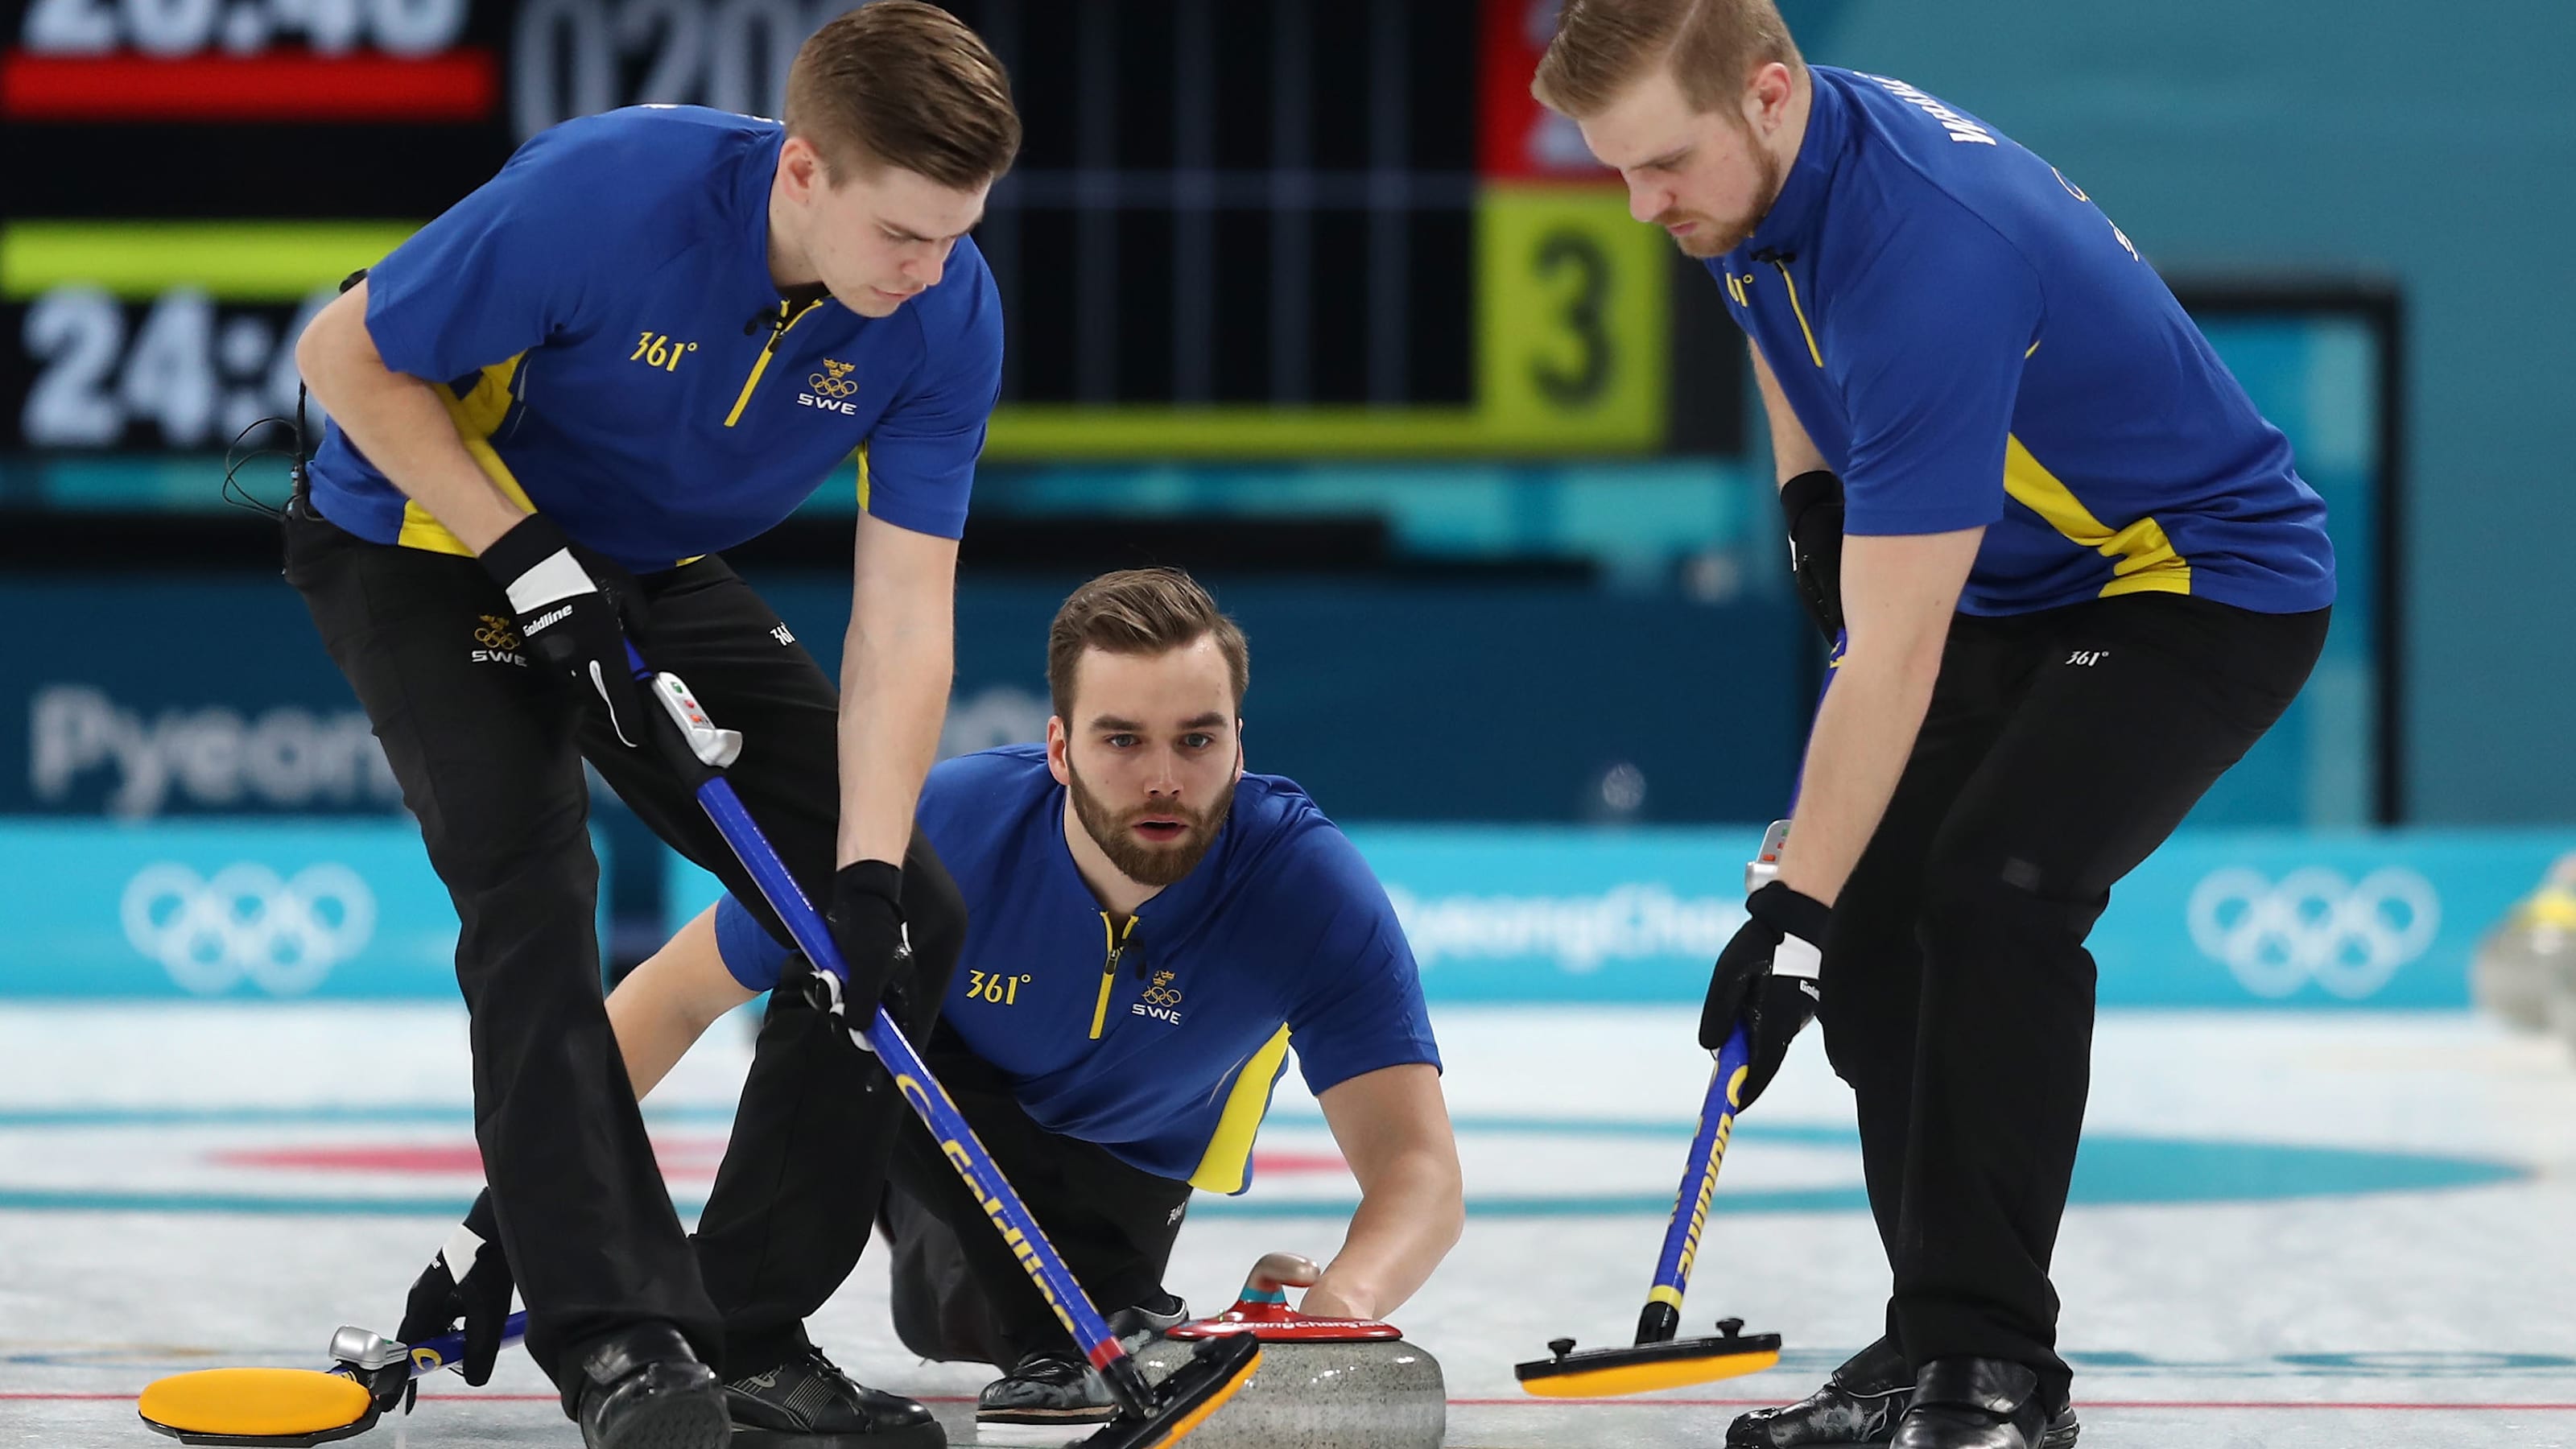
(254, 1402)
(1612, 1380)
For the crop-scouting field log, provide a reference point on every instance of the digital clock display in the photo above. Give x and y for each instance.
(1273, 229)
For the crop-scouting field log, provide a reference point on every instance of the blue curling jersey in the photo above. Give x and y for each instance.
(1970, 341)
(1160, 1042)
(600, 320)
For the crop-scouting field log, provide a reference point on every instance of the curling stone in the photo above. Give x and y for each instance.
(1324, 1383)
(2562, 997)
(2530, 957)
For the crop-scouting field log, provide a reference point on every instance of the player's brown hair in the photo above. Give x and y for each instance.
(1139, 611)
(903, 84)
(1711, 46)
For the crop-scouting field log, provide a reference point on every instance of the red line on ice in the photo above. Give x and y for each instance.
(2197, 1406)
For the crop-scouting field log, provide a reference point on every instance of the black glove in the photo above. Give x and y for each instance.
(866, 915)
(1773, 1008)
(468, 1282)
(1812, 504)
(572, 610)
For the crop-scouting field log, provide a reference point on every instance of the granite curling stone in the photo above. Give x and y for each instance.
(2523, 968)
(1323, 1383)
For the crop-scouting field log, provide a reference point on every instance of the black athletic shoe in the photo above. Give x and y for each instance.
(1050, 1386)
(1058, 1385)
(807, 1403)
(1973, 1403)
(641, 1388)
(1860, 1404)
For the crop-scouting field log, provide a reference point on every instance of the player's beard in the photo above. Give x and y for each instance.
(1716, 238)
(1151, 865)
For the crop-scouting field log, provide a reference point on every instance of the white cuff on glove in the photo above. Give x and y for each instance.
(557, 576)
(1796, 958)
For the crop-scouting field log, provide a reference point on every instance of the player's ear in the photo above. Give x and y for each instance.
(800, 167)
(1238, 747)
(1766, 99)
(1058, 740)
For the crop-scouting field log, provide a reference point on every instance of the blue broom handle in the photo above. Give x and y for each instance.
(445, 1351)
(1661, 1317)
(1663, 1309)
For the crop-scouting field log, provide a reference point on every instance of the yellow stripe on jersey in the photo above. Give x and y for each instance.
(1228, 1160)
(2143, 560)
(1809, 332)
(863, 477)
(477, 415)
(760, 364)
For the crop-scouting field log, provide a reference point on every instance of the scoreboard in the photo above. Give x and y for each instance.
(1240, 228)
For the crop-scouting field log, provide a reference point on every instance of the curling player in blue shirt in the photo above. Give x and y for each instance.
(2079, 576)
(1151, 930)
(647, 339)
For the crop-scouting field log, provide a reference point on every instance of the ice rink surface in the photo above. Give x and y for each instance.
(2291, 1231)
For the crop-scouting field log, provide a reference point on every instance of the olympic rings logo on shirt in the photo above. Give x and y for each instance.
(2348, 936)
(284, 934)
(1161, 996)
(834, 380)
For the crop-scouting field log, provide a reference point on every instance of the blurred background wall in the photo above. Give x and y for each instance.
(1306, 295)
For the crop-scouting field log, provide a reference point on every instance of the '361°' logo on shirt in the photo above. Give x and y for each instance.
(831, 389)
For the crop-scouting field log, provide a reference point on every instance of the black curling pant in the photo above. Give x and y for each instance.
(488, 745)
(2061, 748)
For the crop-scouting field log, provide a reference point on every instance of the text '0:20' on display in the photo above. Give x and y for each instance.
(177, 371)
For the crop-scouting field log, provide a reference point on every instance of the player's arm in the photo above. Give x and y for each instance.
(1792, 451)
(1811, 504)
(896, 663)
(1931, 344)
(1393, 1128)
(1898, 595)
(896, 667)
(1927, 349)
(665, 1004)
(500, 272)
(497, 274)
(899, 657)
(398, 421)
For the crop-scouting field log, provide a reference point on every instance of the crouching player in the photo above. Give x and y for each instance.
(1150, 928)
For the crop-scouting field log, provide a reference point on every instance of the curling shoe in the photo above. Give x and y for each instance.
(808, 1403)
(1057, 1386)
(1974, 1403)
(642, 1388)
(1859, 1404)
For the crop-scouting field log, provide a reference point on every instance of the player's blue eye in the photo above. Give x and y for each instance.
(1198, 742)
(1120, 742)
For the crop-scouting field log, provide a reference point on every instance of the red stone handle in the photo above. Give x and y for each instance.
(1263, 1310)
